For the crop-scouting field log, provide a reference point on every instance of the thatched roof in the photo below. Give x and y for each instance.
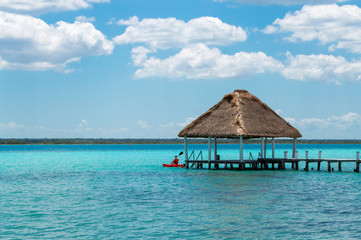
(239, 114)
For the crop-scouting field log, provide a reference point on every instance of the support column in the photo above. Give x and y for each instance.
(209, 152)
(241, 148)
(357, 162)
(215, 148)
(265, 148)
(209, 148)
(186, 151)
(216, 165)
(306, 162)
(273, 148)
(261, 147)
(294, 148)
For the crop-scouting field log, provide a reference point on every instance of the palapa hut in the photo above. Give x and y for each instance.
(239, 115)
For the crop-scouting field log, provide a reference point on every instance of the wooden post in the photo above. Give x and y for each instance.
(215, 148)
(285, 154)
(186, 151)
(209, 152)
(296, 162)
(306, 162)
(261, 147)
(339, 166)
(294, 147)
(265, 148)
(329, 166)
(215, 153)
(357, 162)
(273, 148)
(241, 148)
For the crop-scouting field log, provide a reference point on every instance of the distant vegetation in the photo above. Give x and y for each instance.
(163, 141)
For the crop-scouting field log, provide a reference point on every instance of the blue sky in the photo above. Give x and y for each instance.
(146, 68)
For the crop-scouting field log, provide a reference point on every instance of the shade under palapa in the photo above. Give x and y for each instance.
(240, 114)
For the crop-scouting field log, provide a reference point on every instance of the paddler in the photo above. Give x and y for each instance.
(175, 161)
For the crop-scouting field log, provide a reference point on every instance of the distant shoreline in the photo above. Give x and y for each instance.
(104, 141)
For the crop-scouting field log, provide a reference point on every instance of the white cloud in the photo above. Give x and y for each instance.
(85, 19)
(43, 6)
(283, 2)
(167, 125)
(200, 62)
(321, 67)
(329, 24)
(292, 121)
(343, 122)
(11, 125)
(143, 124)
(186, 122)
(83, 124)
(177, 126)
(16, 130)
(166, 33)
(29, 43)
(279, 111)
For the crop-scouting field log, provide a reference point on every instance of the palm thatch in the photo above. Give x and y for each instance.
(239, 114)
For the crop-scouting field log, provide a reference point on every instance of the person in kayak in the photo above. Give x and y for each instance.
(175, 161)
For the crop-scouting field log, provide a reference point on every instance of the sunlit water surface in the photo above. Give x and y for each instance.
(122, 191)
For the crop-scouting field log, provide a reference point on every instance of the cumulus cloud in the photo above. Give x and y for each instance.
(336, 25)
(341, 126)
(321, 67)
(342, 122)
(200, 62)
(85, 19)
(198, 58)
(29, 43)
(166, 33)
(43, 6)
(282, 2)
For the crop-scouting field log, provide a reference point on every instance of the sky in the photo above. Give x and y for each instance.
(147, 68)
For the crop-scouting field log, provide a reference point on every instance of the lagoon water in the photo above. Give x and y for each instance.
(123, 192)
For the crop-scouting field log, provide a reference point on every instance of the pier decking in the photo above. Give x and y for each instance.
(271, 163)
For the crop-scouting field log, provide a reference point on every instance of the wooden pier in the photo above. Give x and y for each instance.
(273, 163)
(241, 115)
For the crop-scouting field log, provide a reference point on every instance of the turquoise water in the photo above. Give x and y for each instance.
(123, 192)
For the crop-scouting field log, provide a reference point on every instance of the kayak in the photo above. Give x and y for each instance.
(174, 165)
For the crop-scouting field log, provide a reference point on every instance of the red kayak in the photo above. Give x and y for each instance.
(174, 165)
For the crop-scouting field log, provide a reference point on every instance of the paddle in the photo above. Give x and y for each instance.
(180, 154)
